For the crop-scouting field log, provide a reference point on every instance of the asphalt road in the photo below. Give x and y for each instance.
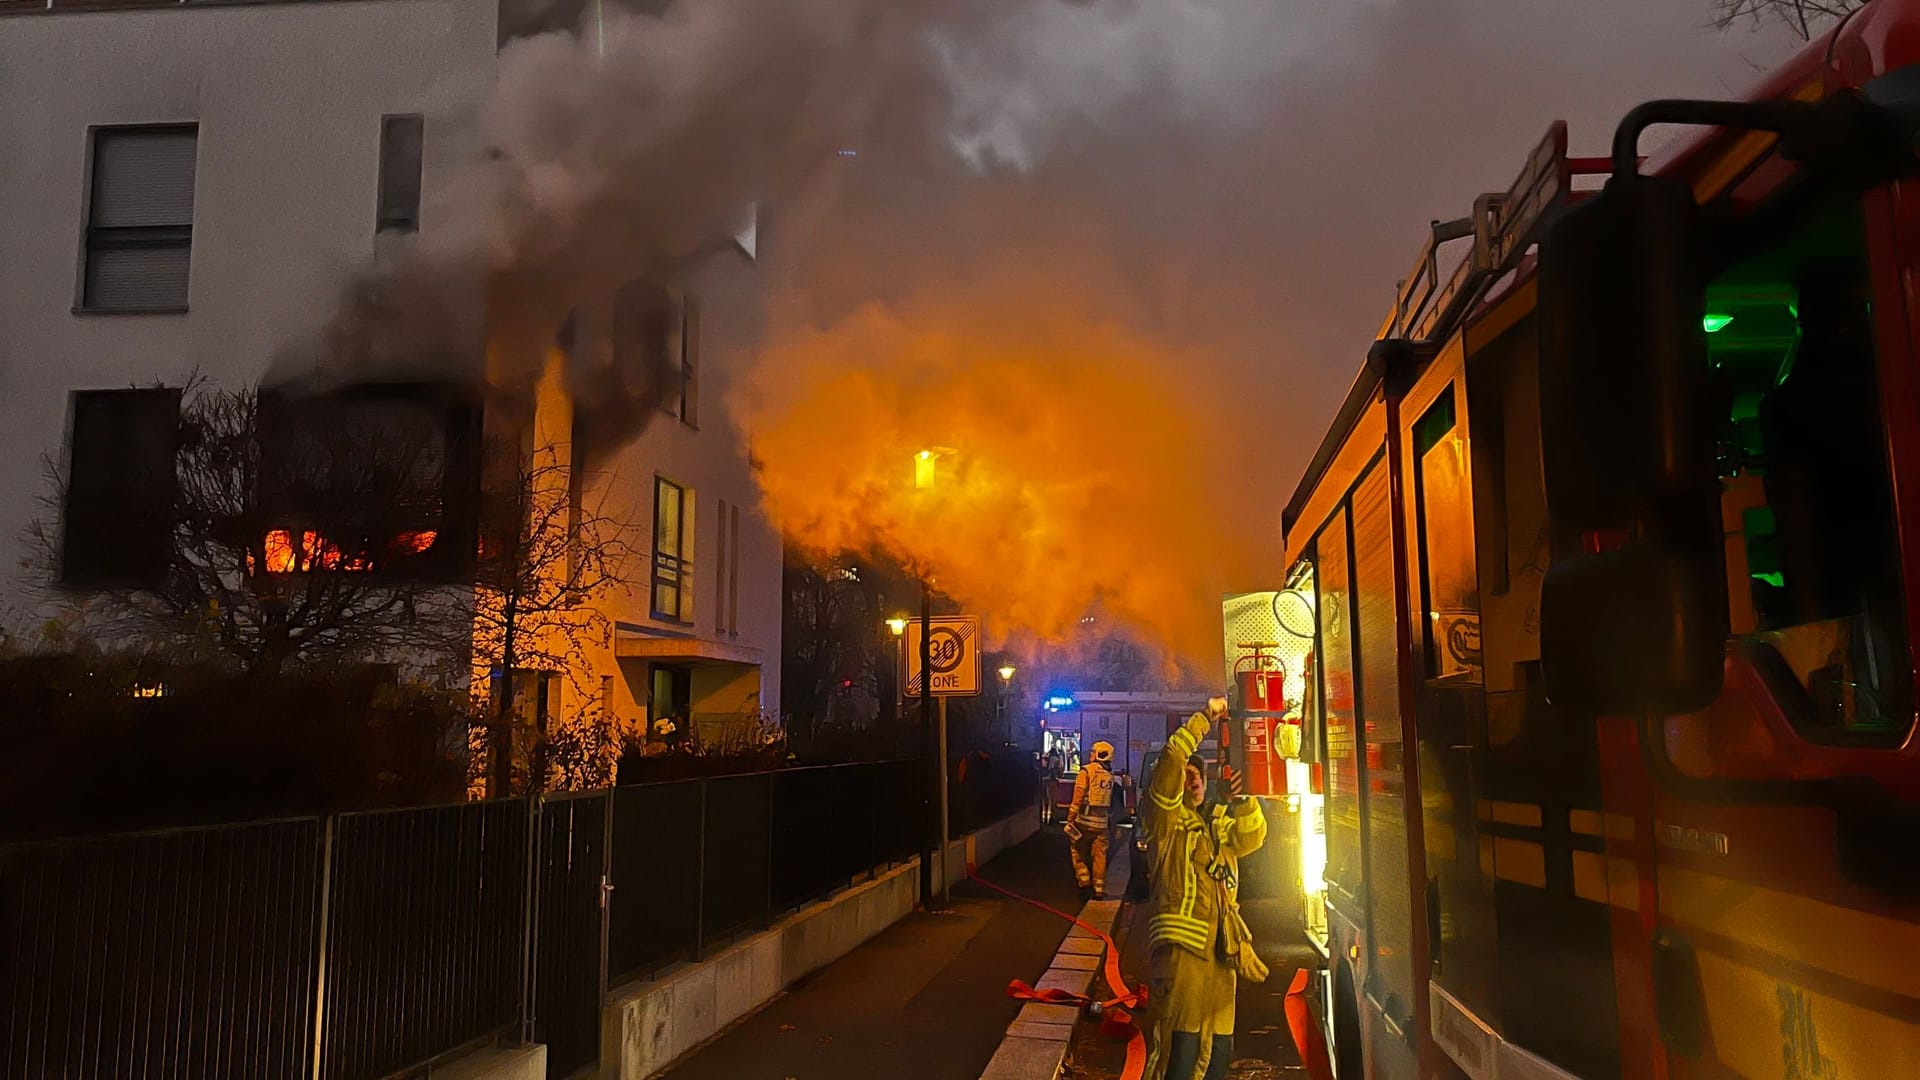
(925, 999)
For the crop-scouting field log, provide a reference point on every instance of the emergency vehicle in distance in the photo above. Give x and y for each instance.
(1613, 552)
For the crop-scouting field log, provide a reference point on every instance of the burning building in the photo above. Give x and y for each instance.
(191, 187)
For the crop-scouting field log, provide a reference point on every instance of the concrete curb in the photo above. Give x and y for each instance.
(1036, 1043)
(495, 1063)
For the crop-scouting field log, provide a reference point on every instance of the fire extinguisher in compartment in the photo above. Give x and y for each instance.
(1260, 682)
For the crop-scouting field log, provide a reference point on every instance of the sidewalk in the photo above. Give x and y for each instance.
(925, 999)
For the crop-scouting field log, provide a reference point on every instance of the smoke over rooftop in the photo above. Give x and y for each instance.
(1123, 255)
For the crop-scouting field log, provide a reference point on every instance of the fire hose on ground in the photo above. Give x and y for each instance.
(1116, 1013)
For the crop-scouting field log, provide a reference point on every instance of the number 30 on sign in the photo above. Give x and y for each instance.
(955, 648)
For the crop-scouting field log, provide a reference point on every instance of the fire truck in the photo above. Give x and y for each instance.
(1612, 553)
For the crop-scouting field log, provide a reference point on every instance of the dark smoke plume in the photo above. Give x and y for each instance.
(1219, 194)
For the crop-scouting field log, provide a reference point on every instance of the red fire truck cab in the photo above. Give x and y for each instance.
(1614, 551)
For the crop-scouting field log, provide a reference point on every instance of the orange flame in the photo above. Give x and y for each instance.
(279, 552)
(416, 541)
(1085, 471)
(317, 552)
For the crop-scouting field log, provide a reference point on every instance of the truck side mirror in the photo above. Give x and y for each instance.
(1635, 616)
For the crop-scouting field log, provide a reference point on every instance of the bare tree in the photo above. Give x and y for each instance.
(265, 583)
(551, 555)
(841, 665)
(1803, 17)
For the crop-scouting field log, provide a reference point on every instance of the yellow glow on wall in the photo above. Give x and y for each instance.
(1313, 836)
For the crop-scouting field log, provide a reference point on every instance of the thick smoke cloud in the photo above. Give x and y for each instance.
(1144, 243)
(1213, 199)
(600, 154)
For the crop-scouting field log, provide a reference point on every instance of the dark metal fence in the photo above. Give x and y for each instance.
(569, 953)
(425, 925)
(987, 787)
(180, 953)
(383, 941)
(697, 862)
(653, 916)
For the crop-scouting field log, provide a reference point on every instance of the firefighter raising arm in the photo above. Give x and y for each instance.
(1170, 772)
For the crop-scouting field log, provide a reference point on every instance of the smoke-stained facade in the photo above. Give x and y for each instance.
(243, 195)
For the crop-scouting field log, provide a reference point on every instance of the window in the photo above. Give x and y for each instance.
(1448, 582)
(1333, 601)
(1813, 555)
(726, 570)
(400, 156)
(139, 220)
(670, 690)
(725, 552)
(117, 526)
(646, 350)
(365, 480)
(671, 561)
(536, 696)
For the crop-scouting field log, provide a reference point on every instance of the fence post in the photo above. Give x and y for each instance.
(529, 900)
(606, 889)
(320, 960)
(700, 880)
(766, 912)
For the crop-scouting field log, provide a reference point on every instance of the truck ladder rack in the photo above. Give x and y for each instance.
(1503, 226)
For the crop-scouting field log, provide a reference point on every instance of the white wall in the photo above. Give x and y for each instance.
(711, 463)
(288, 98)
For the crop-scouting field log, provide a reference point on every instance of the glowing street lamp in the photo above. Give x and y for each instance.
(925, 463)
(897, 624)
(1006, 673)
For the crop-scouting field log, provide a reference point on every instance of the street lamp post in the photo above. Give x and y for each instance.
(933, 893)
(898, 627)
(1006, 714)
(932, 742)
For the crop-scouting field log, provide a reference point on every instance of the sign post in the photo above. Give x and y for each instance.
(943, 653)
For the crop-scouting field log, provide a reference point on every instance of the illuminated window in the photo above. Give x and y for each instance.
(672, 559)
(1449, 584)
(139, 219)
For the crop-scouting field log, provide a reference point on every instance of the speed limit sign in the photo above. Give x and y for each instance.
(954, 648)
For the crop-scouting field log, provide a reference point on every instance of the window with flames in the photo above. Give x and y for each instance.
(372, 480)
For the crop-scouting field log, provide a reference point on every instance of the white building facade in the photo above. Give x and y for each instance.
(183, 187)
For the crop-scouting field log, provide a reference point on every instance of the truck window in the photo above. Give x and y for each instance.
(1812, 552)
(1332, 603)
(1449, 587)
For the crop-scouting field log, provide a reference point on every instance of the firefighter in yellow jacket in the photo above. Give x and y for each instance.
(1199, 944)
(1090, 819)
